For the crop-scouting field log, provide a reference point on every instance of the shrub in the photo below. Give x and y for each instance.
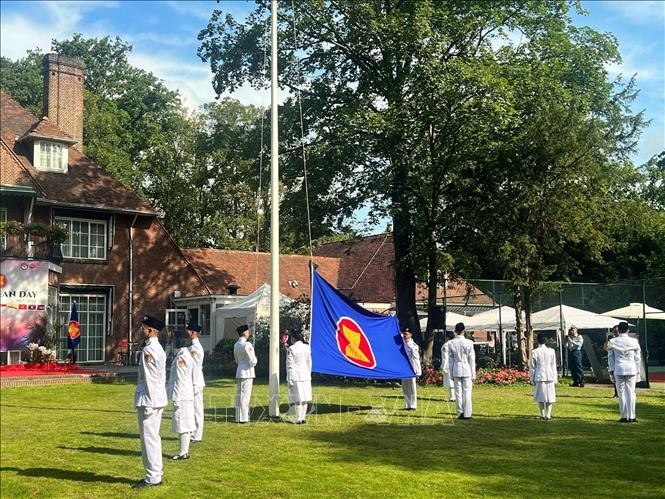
(485, 362)
(503, 376)
(431, 376)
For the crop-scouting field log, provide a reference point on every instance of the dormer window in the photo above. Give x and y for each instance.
(51, 156)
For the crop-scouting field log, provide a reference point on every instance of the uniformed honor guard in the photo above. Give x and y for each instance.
(243, 353)
(299, 375)
(460, 358)
(409, 384)
(624, 357)
(544, 377)
(150, 400)
(181, 392)
(445, 368)
(197, 354)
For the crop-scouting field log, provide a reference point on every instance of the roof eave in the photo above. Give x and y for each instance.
(114, 209)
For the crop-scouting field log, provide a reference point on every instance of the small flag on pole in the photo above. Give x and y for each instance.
(74, 329)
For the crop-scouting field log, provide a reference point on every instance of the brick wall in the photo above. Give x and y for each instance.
(159, 269)
(63, 94)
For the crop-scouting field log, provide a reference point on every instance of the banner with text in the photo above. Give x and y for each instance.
(23, 303)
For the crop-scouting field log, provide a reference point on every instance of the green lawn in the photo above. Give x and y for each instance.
(82, 441)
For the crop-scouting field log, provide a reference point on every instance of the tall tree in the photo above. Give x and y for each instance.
(362, 65)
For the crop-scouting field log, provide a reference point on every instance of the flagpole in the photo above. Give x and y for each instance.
(274, 226)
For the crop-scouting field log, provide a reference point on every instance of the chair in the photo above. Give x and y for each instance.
(121, 353)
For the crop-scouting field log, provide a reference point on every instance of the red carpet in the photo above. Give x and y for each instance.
(50, 369)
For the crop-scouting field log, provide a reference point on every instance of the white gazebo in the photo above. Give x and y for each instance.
(563, 316)
(636, 311)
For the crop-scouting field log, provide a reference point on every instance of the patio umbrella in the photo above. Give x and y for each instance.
(634, 311)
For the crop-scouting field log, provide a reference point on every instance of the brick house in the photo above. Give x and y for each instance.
(118, 261)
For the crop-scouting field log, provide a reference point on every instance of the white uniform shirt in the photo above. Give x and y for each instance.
(298, 362)
(624, 355)
(460, 358)
(243, 353)
(180, 380)
(197, 354)
(151, 385)
(543, 365)
(413, 352)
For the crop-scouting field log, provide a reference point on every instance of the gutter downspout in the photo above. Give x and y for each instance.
(131, 290)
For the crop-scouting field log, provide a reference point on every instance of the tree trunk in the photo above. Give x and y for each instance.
(519, 325)
(528, 293)
(405, 279)
(432, 286)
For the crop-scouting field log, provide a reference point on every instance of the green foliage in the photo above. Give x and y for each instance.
(54, 233)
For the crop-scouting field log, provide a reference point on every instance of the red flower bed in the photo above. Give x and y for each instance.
(503, 376)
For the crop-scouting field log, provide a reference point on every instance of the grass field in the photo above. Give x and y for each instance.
(82, 441)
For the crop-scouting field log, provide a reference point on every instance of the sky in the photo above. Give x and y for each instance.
(163, 35)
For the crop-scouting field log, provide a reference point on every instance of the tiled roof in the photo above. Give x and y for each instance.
(85, 184)
(45, 129)
(248, 270)
(12, 171)
(366, 272)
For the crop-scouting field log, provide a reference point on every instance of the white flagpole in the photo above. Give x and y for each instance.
(273, 390)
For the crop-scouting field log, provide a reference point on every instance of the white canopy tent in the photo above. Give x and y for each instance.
(451, 319)
(492, 320)
(635, 311)
(247, 310)
(551, 318)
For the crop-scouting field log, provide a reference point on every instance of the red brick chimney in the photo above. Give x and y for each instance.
(63, 94)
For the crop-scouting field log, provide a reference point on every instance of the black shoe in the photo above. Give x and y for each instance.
(623, 420)
(464, 417)
(194, 441)
(615, 396)
(574, 384)
(142, 483)
(581, 385)
(181, 457)
(634, 420)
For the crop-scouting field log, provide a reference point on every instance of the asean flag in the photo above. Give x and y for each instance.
(74, 329)
(347, 340)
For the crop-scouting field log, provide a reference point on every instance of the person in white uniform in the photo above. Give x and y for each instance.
(197, 352)
(409, 384)
(460, 358)
(243, 353)
(299, 375)
(445, 368)
(624, 357)
(150, 400)
(181, 392)
(543, 376)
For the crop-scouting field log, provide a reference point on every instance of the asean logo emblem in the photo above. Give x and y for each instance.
(74, 330)
(353, 344)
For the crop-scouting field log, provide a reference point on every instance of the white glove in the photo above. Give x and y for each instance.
(612, 377)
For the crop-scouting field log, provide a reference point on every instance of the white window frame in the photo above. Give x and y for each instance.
(60, 166)
(66, 246)
(64, 317)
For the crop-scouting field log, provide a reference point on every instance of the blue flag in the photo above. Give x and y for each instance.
(74, 329)
(347, 340)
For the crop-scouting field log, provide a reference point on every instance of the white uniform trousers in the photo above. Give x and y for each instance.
(150, 420)
(450, 383)
(625, 384)
(463, 389)
(243, 396)
(410, 394)
(199, 417)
